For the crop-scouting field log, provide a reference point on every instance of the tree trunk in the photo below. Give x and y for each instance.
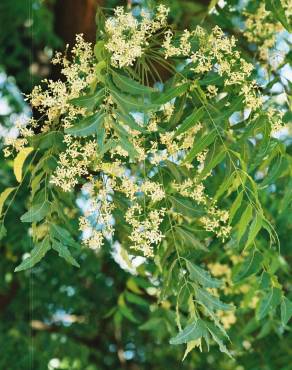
(75, 16)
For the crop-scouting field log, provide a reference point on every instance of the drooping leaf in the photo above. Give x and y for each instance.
(3, 196)
(87, 126)
(210, 301)
(185, 206)
(189, 238)
(278, 11)
(268, 303)
(235, 206)
(128, 147)
(191, 332)
(36, 255)
(202, 276)
(130, 86)
(254, 229)
(244, 221)
(213, 162)
(169, 94)
(128, 120)
(250, 266)
(64, 252)
(47, 140)
(190, 121)
(200, 145)
(128, 103)
(19, 162)
(37, 212)
(89, 101)
(216, 337)
(63, 236)
(152, 324)
(286, 311)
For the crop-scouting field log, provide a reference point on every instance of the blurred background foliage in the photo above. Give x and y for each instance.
(57, 317)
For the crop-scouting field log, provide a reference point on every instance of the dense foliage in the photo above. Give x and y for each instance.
(160, 165)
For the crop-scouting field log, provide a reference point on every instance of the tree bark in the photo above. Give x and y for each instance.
(75, 16)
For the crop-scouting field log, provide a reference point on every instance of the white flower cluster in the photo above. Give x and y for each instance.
(127, 37)
(145, 232)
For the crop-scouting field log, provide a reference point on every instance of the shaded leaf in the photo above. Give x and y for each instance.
(191, 332)
(210, 301)
(250, 266)
(87, 126)
(169, 94)
(64, 252)
(190, 121)
(37, 212)
(268, 303)
(36, 255)
(286, 311)
(200, 145)
(202, 276)
(3, 196)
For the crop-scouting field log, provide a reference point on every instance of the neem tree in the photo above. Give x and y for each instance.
(167, 168)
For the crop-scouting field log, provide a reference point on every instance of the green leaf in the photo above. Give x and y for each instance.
(169, 94)
(130, 86)
(128, 314)
(235, 206)
(47, 140)
(3, 196)
(279, 166)
(128, 120)
(134, 298)
(201, 276)
(226, 185)
(216, 337)
(210, 301)
(37, 212)
(87, 126)
(128, 147)
(255, 227)
(190, 121)
(189, 238)
(36, 255)
(250, 266)
(244, 221)
(191, 332)
(64, 252)
(278, 11)
(185, 206)
(151, 324)
(200, 145)
(268, 303)
(89, 101)
(63, 236)
(128, 103)
(3, 230)
(212, 163)
(286, 311)
(19, 162)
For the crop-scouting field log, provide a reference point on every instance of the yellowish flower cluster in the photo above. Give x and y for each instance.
(261, 29)
(184, 47)
(145, 232)
(97, 221)
(275, 118)
(227, 318)
(216, 220)
(128, 38)
(73, 163)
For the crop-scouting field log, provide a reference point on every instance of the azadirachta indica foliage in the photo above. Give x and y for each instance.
(165, 170)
